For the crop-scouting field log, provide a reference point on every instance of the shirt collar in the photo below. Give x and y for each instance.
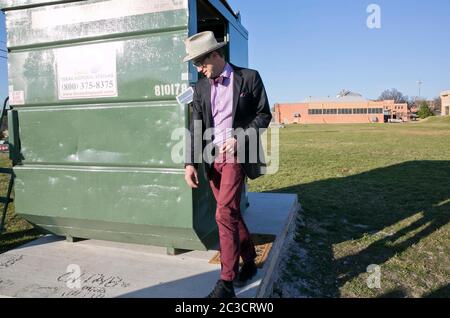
(227, 70)
(226, 73)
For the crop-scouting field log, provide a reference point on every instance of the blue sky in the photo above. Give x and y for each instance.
(318, 47)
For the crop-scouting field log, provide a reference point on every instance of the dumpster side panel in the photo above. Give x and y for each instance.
(93, 19)
(116, 195)
(138, 69)
(94, 104)
(94, 86)
(171, 237)
(129, 134)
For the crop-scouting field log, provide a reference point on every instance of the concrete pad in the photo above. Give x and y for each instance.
(52, 267)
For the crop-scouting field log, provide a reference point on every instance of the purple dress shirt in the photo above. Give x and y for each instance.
(222, 105)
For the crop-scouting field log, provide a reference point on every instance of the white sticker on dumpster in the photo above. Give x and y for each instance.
(87, 71)
(15, 97)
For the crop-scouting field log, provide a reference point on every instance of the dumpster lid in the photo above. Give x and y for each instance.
(227, 5)
(4, 4)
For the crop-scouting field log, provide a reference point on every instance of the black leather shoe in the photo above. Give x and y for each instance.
(246, 273)
(222, 290)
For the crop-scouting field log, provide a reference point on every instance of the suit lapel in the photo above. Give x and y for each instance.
(236, 90)
(208, 111)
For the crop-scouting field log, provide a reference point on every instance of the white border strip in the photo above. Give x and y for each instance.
(111, 9)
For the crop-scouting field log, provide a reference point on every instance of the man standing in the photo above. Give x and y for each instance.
(228, 99)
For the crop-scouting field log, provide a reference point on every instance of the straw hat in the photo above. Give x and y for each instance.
(201, 44)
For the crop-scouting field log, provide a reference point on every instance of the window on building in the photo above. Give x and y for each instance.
(345, 111)
(330, 111)
(315, 111)
(375, 110)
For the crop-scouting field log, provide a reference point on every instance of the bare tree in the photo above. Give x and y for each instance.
(437, 104)
(394, 94)
(411, 101)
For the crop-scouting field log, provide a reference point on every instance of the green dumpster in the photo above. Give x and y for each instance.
(93, 88)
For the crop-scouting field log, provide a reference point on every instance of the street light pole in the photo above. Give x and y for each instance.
(420, 82)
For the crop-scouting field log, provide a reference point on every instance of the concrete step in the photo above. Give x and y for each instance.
(52, 267)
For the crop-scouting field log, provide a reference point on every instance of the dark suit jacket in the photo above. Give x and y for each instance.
(250, 110)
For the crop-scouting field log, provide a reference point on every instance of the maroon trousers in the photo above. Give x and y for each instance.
(227, 180)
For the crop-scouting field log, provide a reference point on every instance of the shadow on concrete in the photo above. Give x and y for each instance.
(44, 239)
(197, 286)
(355, 207)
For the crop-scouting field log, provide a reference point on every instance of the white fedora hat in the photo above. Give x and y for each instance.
(201, 44)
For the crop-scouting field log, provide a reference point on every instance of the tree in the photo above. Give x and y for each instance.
(411, 101)
(437, 104)
(394, 94)
(424, 110)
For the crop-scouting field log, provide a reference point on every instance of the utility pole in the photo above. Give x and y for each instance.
(420, 82)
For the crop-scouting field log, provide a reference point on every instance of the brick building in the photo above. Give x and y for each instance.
(445, 103)
(347, 107)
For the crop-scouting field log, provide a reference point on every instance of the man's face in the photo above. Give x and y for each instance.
(209, 65)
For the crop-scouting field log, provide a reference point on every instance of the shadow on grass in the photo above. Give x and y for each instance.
(11, 240)
(442, 292)
(388, 209)
(396, 293)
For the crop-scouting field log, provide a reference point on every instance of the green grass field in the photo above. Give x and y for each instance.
(371, 194)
